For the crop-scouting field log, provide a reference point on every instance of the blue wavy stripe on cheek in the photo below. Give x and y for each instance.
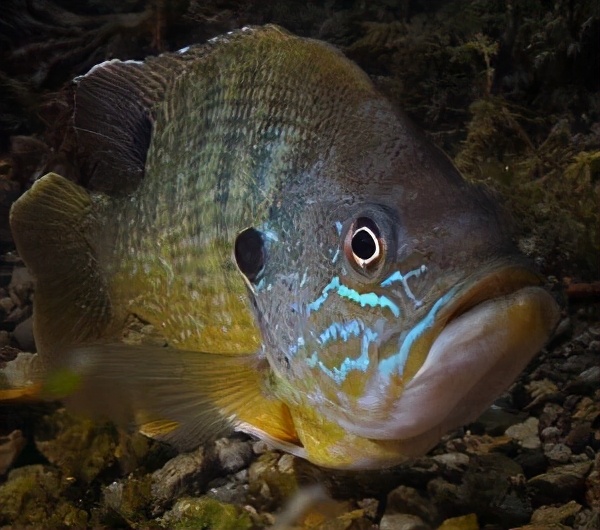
(364, 299)
(395, 364)
(339, 373)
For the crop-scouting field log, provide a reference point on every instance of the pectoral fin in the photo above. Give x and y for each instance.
(181, 397)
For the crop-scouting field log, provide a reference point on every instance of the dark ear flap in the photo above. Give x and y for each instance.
(114, 110)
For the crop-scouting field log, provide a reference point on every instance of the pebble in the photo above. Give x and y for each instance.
(407, 500)
(559, 484)
(23, 334)
(187, 473)
(402, 521)
(233, 454)
(557, 453)
(526, 433)
(550, 515)
(10, 448)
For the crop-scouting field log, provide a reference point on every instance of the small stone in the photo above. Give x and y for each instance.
(550, 415)
(550, 515)
(233, 454)
(187, 473)
(10, 448)
(592, 483)
(406, 500)
(79, 447)
(402, 521)
(4, 340)
(452, 465)
(260, 447)
(272, 480)
(22, 371)
(559, 484)
(532, 461)
(579, 436)
(557, 453)
(21, 286)
(550, 435)
(204, 512)
(6, 305)
(129, 498)
(587, 410)
(541, 392)
(464, 522)
(23, 334)
(526, 433)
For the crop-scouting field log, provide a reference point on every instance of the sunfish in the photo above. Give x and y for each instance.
(322, 276)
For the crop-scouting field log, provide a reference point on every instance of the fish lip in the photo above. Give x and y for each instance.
(502, 280)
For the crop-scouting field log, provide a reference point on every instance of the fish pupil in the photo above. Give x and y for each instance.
(249, 253)
(364, 245)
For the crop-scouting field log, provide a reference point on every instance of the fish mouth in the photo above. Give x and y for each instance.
(478, 343)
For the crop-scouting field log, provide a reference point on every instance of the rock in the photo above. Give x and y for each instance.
(559, 484)
(464, 522)
(233, 454)
(542, 391)
(532, 461)
(10, 448)
(580, 436)
(80, 448)
(128, 498)
(550, 434)
(494, 488)
(32, 497)
(272, 480)
(402, 521)
(21, 286)
(23, 334)
(592, 493)
(186, 474)
(452, 465)
(406, 500)
(557, 453)
(4, 340)
(204, 512)
(526, 433)
(550, 515)
(22, 371)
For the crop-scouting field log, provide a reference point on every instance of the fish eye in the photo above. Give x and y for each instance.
(249, 251)
(364, 247)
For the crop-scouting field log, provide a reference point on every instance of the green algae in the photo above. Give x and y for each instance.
(206, 514)
(38, 496)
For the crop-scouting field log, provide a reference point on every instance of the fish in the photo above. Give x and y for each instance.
(319, 274)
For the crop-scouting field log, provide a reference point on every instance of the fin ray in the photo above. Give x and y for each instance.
(178, 396)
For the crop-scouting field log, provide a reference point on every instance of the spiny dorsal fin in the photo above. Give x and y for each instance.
(56, 230)
(115, 108)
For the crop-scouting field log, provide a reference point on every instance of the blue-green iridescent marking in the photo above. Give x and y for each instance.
(397, 362)
(339, 374)
(364, 299)
(399, 277)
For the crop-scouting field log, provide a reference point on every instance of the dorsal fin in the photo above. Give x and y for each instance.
(115, 105)
(112, 121)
